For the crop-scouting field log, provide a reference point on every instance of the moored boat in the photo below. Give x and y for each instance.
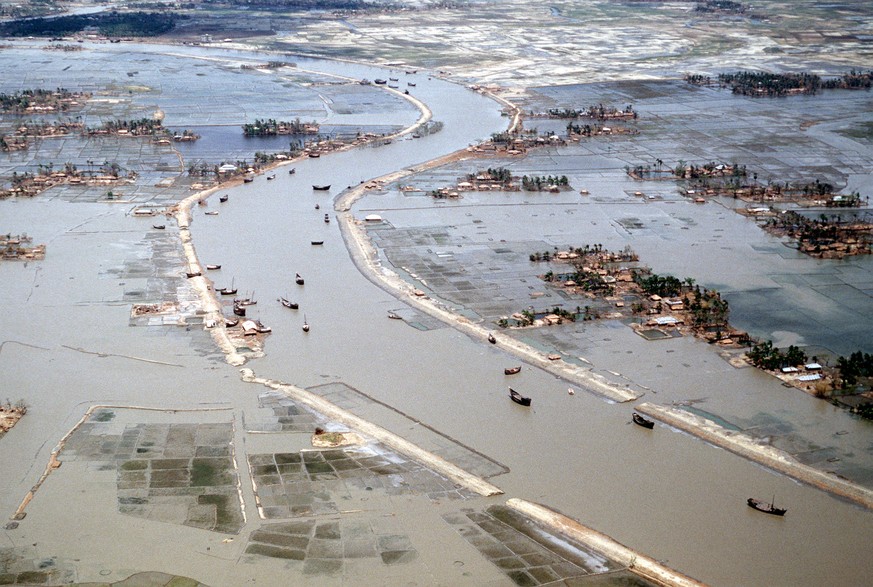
(223, 199)
(394, 316)
(298, 279)
(262, 328)
(518, 398)
(288, 303)
(159, 226)
(239, 310)
(491, 338)
(327, 218)
(213, 267)
(212, 213)
(641, 421)
(227, 291)
(321, 188)
(767, 508)
(190, 274)
(317, 242)
(231, 323)
(292, 171)
(512, 370)
(248, 179)
(269, 177)
(305, 324)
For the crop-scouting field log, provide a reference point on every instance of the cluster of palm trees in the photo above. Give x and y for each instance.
(539, 182)
(271, 127)
(137, 127)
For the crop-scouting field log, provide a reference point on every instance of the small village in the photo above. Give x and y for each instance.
(10, 415)
(18, 247)
(500, 180)
(29, 184)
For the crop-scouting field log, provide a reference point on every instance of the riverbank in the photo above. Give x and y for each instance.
(366, 258)
(754, 450)
(640, 564)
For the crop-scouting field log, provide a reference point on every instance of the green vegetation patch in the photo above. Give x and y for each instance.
(110, 24)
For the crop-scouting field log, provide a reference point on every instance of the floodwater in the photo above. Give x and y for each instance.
(661, 492)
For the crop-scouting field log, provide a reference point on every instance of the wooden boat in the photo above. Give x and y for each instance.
(321, 188)
(512, 370)
(395, 316)
(380, 82)
(191, 274)
(327, 218)
(248, 179)
(223, 199)
(518, 398)
(410, 84)
(644, 422)
(228, 291)
(491, 339)
(317, 242)
(245, 302)
(292, 171)
(239, 310)
(317, 207)
(231, 323)
(298, 279)
(305, 324)
(315, 155)
(262, 328)
(288, 303)
(213, 267)
(159, 226)
(269, 177)
(212, 213)
(393, 79)
(767, 508)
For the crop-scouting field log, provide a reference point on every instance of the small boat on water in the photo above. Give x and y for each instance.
(269, 177)
(410, 84)
(212, 213)
(292, 171)
(327, 218)
(213, 267)
(518, 398)
(231, 323)
(317, 242)
(223, 199)
(395, 316)
(288, 303)
(305, 324)
(298, 279)
(380, 82)
(317, 207)
(393, 79)
(262, 328)
(248, 179)
(228, 291)
(767, 508)
(159, 226)
(239, 310)
(246, 301)
(641, 421)
(321, 188)
(491, 339)
(512, 370)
